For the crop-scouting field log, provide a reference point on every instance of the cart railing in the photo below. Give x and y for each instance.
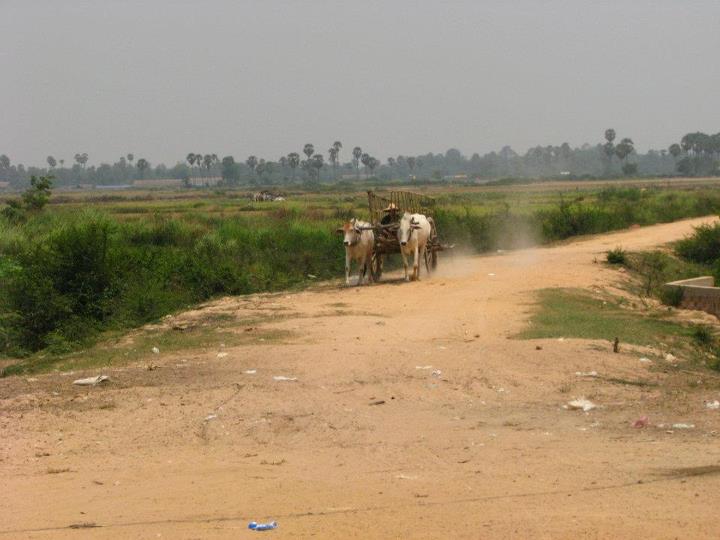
(404, 200)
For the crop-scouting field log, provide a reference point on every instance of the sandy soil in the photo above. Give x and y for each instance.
(367, 442)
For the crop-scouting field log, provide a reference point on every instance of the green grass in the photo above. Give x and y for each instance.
(574, 313)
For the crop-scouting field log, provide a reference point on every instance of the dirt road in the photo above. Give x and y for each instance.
(368, 442)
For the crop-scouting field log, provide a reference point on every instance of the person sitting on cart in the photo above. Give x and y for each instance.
(391, 215)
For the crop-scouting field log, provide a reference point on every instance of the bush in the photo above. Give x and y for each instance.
(703, 246)
(651, 267)
(671, 295)
(69, 277)
(617, 256)
(703, 335)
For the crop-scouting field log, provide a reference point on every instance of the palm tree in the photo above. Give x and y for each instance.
(309, 150)
(293, 159)
(624, 149)
(4, 162)
(372, 163)
(260, 168)
(51, 162)
(62, 163)
(142, 164)
(317, 163)
(333, 154)
(191, 159)
(609, 147)
(337, 145)
(81, 159)
(357, 154)
(365, 159)
(251, 162)
(209, 160)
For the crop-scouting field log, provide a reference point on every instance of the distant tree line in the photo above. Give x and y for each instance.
(696, 154)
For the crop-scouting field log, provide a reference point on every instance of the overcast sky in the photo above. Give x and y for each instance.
(162, 78)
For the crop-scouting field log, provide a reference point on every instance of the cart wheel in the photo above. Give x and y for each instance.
(376, 266)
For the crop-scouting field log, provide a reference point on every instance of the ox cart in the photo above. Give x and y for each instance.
(386, 239)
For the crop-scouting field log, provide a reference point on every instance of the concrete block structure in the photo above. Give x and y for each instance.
(699, 293)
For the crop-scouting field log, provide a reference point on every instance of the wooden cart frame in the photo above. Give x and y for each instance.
(386, 241)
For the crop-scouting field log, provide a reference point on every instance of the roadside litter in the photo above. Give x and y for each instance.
(670, 357)
(423, 367)
(250, 371)
(436, 373)
(712, 404)
(586, 373)
(210, 417)
(255, 526)
(645, 360)
(155, 350)
(222, 354)
(641, 422)
(581, 403)
(92, 381)
(683, 426)
(284, 378)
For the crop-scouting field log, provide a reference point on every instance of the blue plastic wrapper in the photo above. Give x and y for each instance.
(255, 526)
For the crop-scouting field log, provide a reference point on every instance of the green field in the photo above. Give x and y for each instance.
(92, 262)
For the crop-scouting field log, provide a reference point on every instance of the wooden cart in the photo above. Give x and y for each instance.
(386, 241)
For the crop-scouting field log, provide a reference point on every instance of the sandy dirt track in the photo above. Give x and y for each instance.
(364, 444)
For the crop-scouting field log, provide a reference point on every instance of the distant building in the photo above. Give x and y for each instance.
(360, 176)
(113, 186)
(4, 185)
(204, 181)
(159, 183)
(455, 177)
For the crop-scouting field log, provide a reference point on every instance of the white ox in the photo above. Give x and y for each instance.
(358, 238)
(413, 235)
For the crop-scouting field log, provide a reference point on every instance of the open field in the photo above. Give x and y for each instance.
(199, 439)
(91, 263)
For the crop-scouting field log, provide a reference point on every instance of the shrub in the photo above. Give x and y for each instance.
(703, 246)
(651, 267)
(617, 256)
(671, 295)
(38, 194)
(703, 335)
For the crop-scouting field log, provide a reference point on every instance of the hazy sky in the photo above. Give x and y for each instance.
(162, 78)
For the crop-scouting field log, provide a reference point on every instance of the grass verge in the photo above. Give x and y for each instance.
(574, 313)
(118, 349)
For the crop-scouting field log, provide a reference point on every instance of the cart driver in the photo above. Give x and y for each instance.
(391, 214)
